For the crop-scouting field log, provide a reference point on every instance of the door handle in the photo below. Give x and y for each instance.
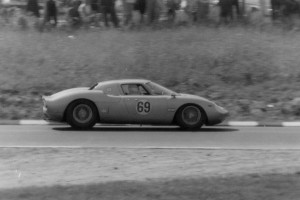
(136, 99)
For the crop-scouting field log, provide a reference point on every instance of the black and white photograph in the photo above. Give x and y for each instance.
(149, 99)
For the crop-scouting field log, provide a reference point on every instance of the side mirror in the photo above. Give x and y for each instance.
(173, 95)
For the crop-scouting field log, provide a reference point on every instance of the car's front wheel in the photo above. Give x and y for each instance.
(82, 114)
(190, 117)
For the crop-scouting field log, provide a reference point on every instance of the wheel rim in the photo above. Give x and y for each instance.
(191, 115)
(82, 113)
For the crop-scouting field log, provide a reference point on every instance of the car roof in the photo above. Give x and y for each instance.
(125, 81)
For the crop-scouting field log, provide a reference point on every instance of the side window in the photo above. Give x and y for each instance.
(143, 90)
(125, 89)
(134, 89)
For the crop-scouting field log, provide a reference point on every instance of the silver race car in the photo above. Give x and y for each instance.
(130, 102)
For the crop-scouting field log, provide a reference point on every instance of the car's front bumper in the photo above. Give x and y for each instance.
(218, 116)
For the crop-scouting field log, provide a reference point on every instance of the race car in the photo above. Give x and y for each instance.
(130, 101)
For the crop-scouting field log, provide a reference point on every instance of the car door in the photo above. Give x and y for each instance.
(145, 108)
(111, 105)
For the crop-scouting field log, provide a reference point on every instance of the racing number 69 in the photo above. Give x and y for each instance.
(143, 107)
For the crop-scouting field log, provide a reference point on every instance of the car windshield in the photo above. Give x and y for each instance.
(158, 89)
(93, 86)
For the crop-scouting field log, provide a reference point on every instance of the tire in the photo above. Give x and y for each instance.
(82, 114)
(190, 117)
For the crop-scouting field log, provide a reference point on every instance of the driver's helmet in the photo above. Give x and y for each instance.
(133, 89)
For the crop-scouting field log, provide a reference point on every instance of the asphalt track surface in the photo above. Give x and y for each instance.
(216, 137)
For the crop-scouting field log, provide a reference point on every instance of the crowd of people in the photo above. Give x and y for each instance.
(109, 12)
(87, 13)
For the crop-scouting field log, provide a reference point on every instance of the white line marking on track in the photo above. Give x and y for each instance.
(291, 124)
(229, 123)
(33, 122)
(243, 123)
(67, 147)
(153, 147)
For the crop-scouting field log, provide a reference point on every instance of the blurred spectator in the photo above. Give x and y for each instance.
(22, 22)
(153, 10)
(140, 5)
(74, 18)
(108, 8)
(201, 10)
(172, 6)
(226, 10)
(95, 12)
(51, 12)
(95, 7)
(84, 10)
(33, 7)
(7, 14)
(128, 10)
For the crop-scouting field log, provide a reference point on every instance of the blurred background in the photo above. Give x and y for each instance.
(242, 54)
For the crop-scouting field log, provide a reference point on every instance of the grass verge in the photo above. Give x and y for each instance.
(240, 68)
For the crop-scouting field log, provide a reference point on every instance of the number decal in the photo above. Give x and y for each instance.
(143, 107)
(140, 106)
(147, 107)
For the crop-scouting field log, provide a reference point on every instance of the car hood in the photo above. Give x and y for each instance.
(190, 96)
(68, 91)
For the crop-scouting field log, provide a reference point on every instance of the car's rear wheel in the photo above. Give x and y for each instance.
(82, 114)
(190, 117)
